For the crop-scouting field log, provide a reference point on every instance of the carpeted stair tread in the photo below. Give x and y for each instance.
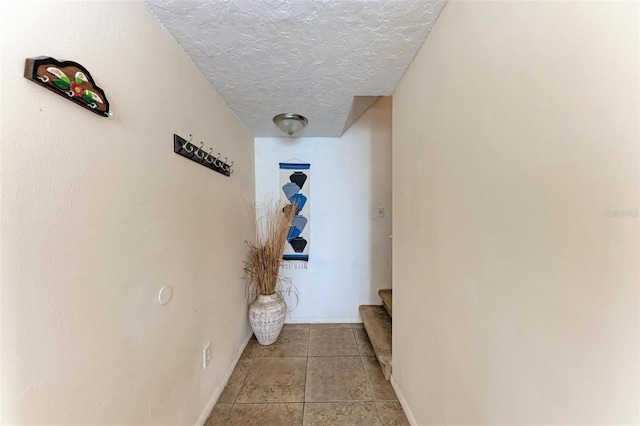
(385, 295)
(377, 323)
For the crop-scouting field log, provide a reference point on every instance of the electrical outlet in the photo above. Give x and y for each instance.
(206, 355)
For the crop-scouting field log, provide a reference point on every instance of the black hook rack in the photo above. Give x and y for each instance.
(194, 153)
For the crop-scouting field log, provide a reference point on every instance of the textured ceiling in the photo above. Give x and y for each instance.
(310, 57)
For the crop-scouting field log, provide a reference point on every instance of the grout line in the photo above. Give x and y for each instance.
(373, 397)
(331, 356)
(304, 393)
(345, 401)
(360, 349)
(269, 402)
(282, 357)
(253, 358)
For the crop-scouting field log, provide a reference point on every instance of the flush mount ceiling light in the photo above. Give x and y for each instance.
(290, 123)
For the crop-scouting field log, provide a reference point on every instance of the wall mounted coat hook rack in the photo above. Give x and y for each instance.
(199, 154)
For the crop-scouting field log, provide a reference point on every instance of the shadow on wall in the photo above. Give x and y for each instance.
(381, 198)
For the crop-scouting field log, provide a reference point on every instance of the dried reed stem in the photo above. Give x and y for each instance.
(271, 222)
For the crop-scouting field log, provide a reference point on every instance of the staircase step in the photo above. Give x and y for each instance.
(377, 323)
(385, 295)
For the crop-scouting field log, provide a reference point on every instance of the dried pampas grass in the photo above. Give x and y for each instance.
(271, 222)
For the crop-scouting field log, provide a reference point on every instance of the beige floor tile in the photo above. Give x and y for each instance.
(291, 342)
(338, 325)
(266, 415)
(364, 344)
(340, 413)
(341, 382)
(230, 391)
(274, 380)
(219, 415)
(251, 349)
(382, 389)
(332, 342)
(392, 414)
(336, 379)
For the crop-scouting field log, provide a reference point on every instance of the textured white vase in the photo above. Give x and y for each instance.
(266, 316)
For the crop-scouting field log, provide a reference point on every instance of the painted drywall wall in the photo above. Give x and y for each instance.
(98, 214)
(515, 141)
(350, 248)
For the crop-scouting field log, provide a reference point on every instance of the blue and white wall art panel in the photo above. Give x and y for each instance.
(294, 181)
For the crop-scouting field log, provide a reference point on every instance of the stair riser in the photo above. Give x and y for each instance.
(377, 324)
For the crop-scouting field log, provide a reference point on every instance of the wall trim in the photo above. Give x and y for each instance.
(323, 320)
(218, 391)
(403, 402)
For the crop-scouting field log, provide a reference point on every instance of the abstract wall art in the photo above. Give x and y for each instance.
(294, 181)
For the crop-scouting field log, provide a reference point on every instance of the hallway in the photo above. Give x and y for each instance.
(493, 185)
(316, 374)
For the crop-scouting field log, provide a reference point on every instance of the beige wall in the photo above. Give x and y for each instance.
(515, 130)
(99, 213)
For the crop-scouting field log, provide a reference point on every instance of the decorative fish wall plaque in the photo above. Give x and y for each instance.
(68, 79)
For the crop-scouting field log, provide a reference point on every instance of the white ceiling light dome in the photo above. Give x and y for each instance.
(290, 123)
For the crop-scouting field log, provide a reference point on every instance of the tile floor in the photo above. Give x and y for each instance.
(318, 374)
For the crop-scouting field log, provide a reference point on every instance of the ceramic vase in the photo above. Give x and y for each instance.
(266, 316)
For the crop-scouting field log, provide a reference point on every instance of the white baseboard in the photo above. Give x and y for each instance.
(403, 402)
(322, 320)
(218, 391)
